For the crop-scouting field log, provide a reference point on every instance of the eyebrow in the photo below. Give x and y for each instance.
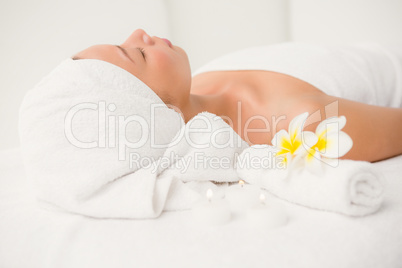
(124, 52)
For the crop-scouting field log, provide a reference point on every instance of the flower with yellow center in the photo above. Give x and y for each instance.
(332, 143)
(296, 141)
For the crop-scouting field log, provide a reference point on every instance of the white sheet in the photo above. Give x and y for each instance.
(364, 72)
(34, 236)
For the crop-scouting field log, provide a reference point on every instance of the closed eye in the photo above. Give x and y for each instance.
(125, 53)
(142, 52)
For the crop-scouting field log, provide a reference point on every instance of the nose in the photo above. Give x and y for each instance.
(139, 37)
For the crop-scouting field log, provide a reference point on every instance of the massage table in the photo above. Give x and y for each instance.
(35, 234)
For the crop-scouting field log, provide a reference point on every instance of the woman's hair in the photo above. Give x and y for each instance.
(76, 58)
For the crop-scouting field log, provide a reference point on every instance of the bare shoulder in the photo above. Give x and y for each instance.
(319, 106)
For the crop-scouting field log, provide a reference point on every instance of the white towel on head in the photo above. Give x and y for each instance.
(91, 134)
(351, 187)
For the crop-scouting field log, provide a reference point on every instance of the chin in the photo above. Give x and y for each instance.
(181, 51)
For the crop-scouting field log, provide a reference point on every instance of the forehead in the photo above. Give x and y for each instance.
(111, 54)
(97, 52)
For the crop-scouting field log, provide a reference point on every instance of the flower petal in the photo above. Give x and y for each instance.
(284, 159)
(313, 161)
(309, 138)
(295, 163)
(306, 139)
(297, 124)
(331, 124)
(311, 154)
(337, 144)
(280, 137)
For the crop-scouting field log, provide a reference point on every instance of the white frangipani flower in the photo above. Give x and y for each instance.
(332, 143)
(298, 148)
(296, 141)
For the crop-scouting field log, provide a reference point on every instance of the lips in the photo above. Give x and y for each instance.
(167, 42)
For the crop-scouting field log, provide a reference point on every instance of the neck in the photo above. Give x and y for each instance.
(202, 103)
(209, 95)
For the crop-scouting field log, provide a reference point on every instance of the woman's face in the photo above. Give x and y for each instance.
(156, 62)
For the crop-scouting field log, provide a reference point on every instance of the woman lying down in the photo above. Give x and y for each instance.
(119, 130)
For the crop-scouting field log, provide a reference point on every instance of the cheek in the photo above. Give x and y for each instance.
(163, 61)
(168, 67)
(168, 75)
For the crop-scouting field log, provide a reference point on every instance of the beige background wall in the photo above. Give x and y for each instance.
(37, 35)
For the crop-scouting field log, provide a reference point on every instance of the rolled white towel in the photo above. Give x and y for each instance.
(352, 187)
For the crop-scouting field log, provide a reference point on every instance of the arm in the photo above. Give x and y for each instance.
(376, 131)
